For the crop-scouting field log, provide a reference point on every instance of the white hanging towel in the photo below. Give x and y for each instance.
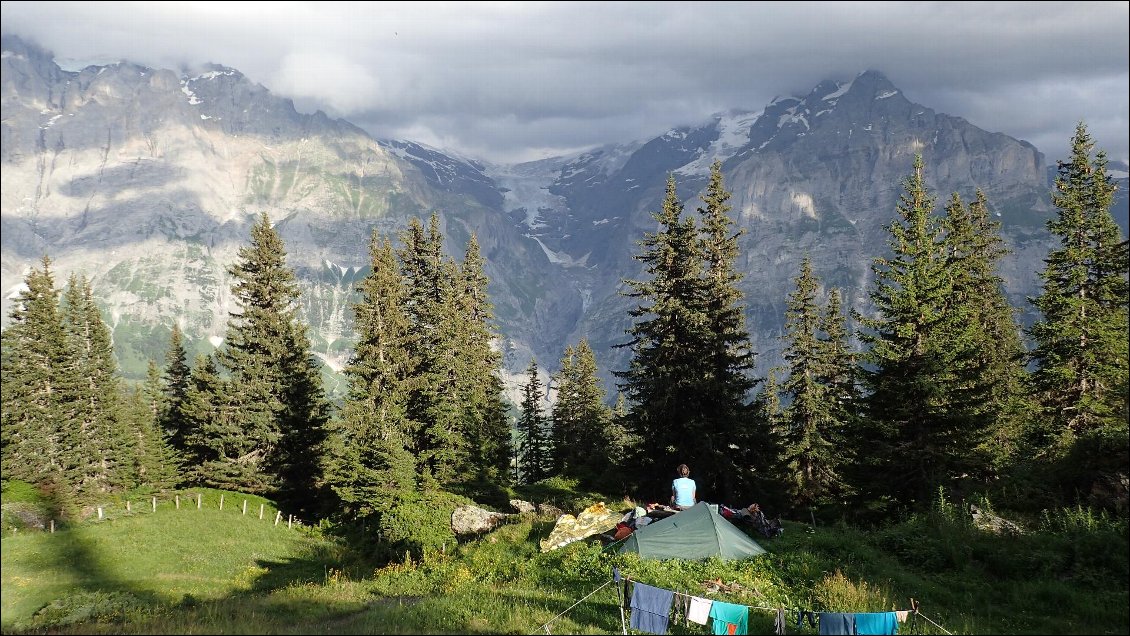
(700, 610)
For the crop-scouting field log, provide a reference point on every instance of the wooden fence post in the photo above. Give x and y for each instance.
(199, 500)
(128, 507)
(52, 526)
(99, 513)
(154, 504)
(260, 512)
(178, 501)
(278, 517)
(289, 521)
(245, 507)
(221, 502)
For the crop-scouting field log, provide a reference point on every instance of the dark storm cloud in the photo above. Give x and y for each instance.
(521, 80)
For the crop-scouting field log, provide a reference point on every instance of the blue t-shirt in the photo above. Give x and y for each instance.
(684, 488)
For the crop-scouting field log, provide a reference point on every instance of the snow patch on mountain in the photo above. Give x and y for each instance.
(526, 188)
(733, 134)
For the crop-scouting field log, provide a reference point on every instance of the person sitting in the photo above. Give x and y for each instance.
(684, 493)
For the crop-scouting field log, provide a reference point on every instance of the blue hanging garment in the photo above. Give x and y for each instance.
(876, 623)
(836, 623)
(650, 608)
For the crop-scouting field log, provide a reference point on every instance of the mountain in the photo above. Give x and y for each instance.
(815, 175)
(148, 180)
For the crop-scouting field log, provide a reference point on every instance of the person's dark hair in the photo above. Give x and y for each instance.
(683, 470)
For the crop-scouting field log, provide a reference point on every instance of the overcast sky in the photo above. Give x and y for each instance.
(508, 81)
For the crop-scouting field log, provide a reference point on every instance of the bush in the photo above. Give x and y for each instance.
(416, 523)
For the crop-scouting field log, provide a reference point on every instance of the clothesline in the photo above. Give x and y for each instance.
(914, 606)
(771, 609)
(617, 577)
(547, 623)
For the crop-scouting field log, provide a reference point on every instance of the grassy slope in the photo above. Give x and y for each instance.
(249, 576)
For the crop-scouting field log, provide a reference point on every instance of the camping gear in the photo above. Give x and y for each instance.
(696, 533)
(595, 519)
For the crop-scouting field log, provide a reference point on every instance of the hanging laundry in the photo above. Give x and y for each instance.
(729, 618)
(650, 608)
(700, 610)
(874, 623)
(837, 624)
(902, 614)
(779, 623)
(801, 615)
(682, 609)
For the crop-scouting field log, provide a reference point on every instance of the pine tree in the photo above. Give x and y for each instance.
(486, 427)
(39, 433)
(838, 373)
(212, 432)
(582, 439)
(434, 413)
(728, 384)
(369, 455)
(763, 458)
(664, 380)
(994, 379)
(533, 439)
(104, 455)
(274, 387)
(812, 457)
(920, 435)
(175, 389)
(1080, 379)
(156, 463)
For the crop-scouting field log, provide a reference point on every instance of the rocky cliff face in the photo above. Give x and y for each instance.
(148, 180)
(815, 175)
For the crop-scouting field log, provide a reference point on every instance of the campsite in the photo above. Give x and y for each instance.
(207, 570)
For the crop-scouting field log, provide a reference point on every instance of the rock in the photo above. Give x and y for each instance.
(523, 506)
(992, 523)
(474, 520)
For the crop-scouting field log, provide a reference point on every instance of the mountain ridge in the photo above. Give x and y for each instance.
(149, 180)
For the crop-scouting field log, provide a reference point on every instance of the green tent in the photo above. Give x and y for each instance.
(697, 533)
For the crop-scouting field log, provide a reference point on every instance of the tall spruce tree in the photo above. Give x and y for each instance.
(669, 341)
(104, 454)
(434, 414)
(480, 386)
(533, 439)
(728, 383)
(39, 427)
(812, 430)
(156, 463)
(211, 431)
(920, 434)
(369, 456)
(838, 372)
(765, 463)
(994, 379)
(274, 386)
(582, 439)
(1080, 380)
(175, 383)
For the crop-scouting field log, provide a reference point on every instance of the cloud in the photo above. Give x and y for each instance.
(513, 81)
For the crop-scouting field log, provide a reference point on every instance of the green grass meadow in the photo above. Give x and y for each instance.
(211, 571)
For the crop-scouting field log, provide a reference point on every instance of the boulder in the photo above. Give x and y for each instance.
(522, 506)
(475, 520)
